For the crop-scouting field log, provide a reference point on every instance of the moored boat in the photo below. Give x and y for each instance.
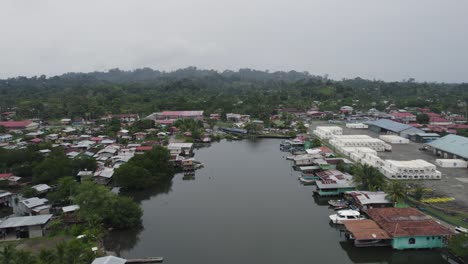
(336, 203)
(346, 215)
(306, 181)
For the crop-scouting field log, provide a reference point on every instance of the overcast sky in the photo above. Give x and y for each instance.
(382, 39)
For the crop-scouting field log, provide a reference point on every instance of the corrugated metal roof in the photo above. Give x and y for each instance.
(34, 201)
(365, 229)
(404, 222)
(25, 221)
(454, 144)
(389, 125)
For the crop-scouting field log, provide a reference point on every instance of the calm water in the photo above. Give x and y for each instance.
(245, 206)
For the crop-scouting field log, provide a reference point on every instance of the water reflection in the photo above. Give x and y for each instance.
(321, 201)
(164, 187)
(123, 240)
(246, 206)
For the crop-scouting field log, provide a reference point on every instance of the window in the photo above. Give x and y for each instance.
(412, 241)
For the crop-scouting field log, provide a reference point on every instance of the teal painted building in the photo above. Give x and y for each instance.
(334, 183)
(418, 242)
(410, 228)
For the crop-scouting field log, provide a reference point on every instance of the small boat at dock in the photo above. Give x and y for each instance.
(306, 181)
(145, 260)
(337, 203)
(345, 215)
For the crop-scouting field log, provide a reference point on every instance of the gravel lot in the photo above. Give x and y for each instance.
(454, 182)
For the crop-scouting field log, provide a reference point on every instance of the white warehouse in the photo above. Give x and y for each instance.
(356, 125)
(346, 141)
(393, 139)
(327, 132)
(451, 163)
(410, 170)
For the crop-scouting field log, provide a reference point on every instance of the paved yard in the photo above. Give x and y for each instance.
(454, 182)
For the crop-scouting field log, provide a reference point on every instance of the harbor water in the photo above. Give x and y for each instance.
(245, 206)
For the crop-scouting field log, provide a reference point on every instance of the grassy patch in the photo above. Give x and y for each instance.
(455, 219)
(35, 245)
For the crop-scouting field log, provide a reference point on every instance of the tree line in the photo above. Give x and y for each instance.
(258, 93)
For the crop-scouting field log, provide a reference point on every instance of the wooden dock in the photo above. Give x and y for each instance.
(145, 260)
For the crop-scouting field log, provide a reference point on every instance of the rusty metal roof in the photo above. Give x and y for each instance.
(403, 222)
(365, 230)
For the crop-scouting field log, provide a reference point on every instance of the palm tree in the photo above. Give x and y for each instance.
(368, 178)
(396, 191)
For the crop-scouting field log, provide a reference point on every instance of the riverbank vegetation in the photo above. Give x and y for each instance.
(145, 170)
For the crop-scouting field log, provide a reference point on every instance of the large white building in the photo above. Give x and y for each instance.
(356, 125)
(451, 163)
(327, 132)
(410, 170)
(393, 139)
(346, 141)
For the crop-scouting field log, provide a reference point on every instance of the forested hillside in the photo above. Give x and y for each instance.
(90, 95)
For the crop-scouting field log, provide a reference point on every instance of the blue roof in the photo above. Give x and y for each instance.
(389, 125)
(452, 144)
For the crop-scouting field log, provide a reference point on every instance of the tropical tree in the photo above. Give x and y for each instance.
(396, 191)
(131, 177)
(418, 192)
(316, 143)
(368, 178)
(422, 118)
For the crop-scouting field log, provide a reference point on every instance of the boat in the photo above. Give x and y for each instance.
(336, 203)
(309, 176)
(460, 229)
(346, 215)
(306, 181)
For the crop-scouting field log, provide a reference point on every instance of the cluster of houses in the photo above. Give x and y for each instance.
(370, 218)
(31, 216)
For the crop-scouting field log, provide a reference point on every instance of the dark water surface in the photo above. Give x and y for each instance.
(245, 206)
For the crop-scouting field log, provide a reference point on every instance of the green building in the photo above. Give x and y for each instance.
(409, 228)
(333, 183)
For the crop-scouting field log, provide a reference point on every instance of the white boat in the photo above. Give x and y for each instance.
(460, 229)
(346, 215)
(306, 181)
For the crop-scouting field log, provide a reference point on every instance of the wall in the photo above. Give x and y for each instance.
(35, 231)
(421, 242)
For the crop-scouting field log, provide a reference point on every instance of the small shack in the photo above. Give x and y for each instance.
(25, 226)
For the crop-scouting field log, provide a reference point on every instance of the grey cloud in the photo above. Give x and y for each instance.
(390, 40)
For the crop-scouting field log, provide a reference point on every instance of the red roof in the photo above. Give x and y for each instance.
(5, 175)
(144, 148)
(36, 140)
(402, 114)
(325, 150)
(166, 122)
(365, 229)
(15, 124)
(431, 114)
(96, 139)
(417, 125)
(438, 119)
(460, 126)
(404, 222)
